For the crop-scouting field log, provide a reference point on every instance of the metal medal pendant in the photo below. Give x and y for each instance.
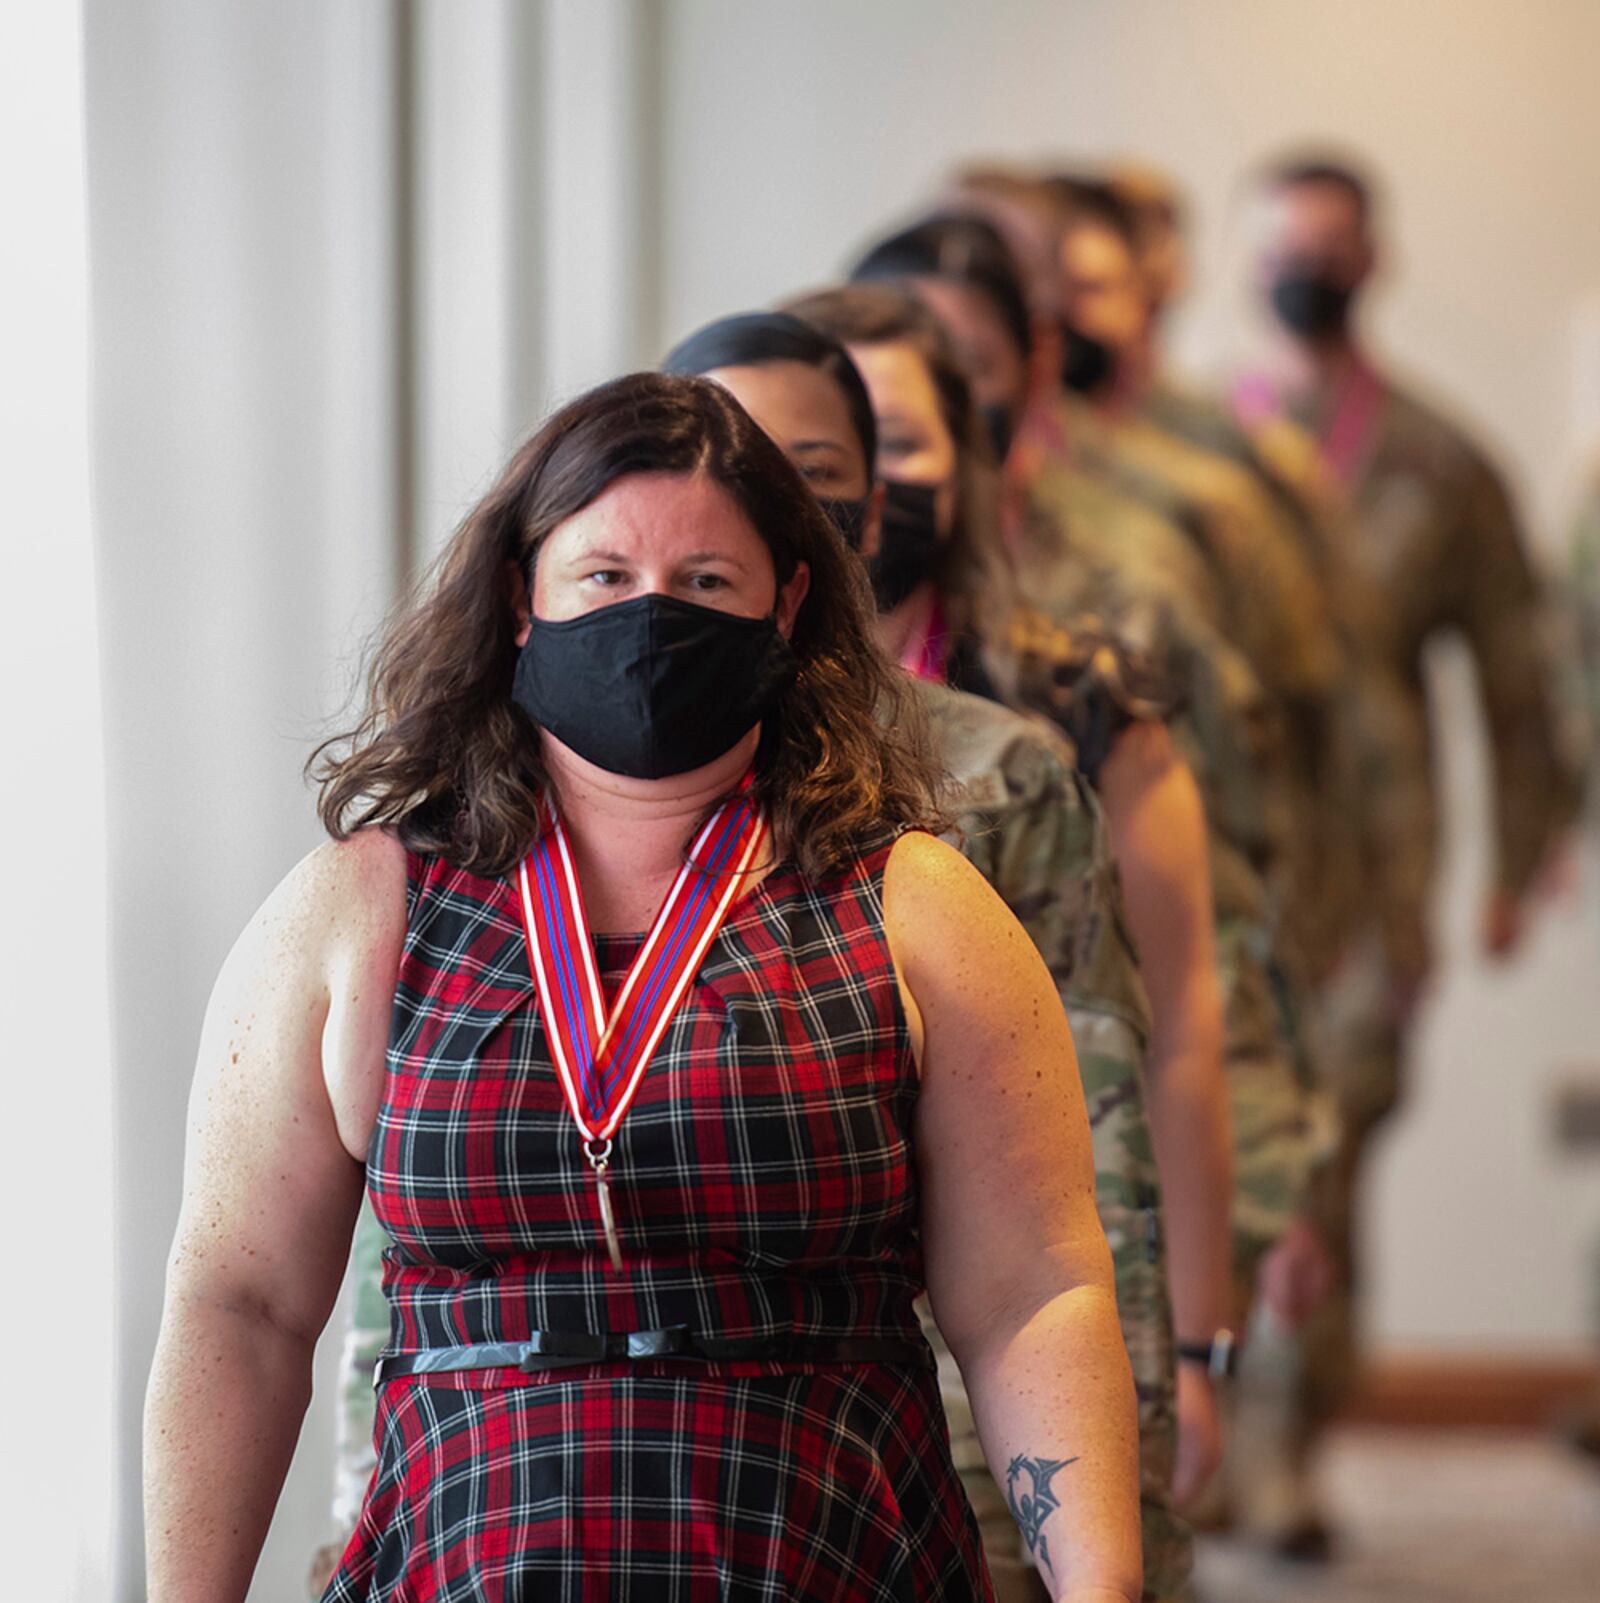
(600, 1161)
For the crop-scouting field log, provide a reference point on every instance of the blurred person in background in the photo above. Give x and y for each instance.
(1370, 790)
(1068, 503)
(1357, 874)
(604, 1278)
(1055, 866)
(1435, 532)
(1085, 551)
(1025, 818)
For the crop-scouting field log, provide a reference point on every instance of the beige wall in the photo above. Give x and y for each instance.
(793, 133)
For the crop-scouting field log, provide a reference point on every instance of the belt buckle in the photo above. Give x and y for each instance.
(670, 1342)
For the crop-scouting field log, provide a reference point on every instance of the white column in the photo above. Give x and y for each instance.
(241, 199)
(55, 1182)
(602, 135)
(476, 270)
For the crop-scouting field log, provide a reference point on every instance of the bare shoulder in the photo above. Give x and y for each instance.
(942, 916)
(343, 897)
(924, 874)
(312, 977)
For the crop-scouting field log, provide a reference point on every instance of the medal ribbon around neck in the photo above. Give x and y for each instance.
(600, 1056)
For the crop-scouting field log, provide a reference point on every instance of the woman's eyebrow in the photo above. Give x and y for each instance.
(816, 445)
(590, 553)
(713, 556)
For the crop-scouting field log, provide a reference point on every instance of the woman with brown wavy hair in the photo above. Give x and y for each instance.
(632, 980)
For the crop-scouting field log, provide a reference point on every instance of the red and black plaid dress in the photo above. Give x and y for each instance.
(763, 1183)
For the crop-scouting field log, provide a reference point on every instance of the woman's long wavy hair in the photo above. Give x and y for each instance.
(973, 575)
(444, 757)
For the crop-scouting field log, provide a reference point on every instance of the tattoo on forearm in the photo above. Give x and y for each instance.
(1032, 1500)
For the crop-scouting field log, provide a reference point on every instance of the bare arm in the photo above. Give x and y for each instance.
(1158, 832)
(289, 1075)
(1018, 1270)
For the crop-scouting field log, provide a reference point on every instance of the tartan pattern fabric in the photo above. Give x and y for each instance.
(763, 1183)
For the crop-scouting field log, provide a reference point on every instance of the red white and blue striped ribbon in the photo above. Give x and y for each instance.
(600, 1054)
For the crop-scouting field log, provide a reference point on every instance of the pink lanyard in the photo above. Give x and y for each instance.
(1347, 436)
(927, 654)
(600, 1055)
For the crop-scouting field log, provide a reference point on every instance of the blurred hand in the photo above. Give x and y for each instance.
(1407, 987)
(1199, 1435)
(323, 1563)
(1296, 1274)
(1560, 877)
(1502, 923)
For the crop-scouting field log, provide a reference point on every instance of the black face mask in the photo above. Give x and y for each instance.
(848, 517)
(1087, 365)
(654, 686)
(1310, 303)
(998, 421)
(907, 545)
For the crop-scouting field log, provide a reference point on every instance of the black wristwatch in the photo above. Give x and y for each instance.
(1220, 1355)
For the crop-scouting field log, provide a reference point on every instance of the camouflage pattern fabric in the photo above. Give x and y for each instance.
(1026, 819)
(1435, 532)
(1092, 553)
(1030, 825)
(1368, 809)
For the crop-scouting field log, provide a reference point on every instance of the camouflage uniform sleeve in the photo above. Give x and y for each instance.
(365, 1337)
(1377, 795)
(1499, 612)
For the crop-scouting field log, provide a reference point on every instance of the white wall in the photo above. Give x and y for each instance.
(55, 1182)
(245, 494)
(794, 133)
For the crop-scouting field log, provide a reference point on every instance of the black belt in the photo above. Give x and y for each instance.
(566, 1349)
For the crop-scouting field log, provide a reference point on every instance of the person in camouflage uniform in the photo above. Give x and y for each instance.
(1191, 1145)
(1028, 822)
(1371, 793)
(1277, 613)
(1139, 577)
(1084, 548)
(1435, 533)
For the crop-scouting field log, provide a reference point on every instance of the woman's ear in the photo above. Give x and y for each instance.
(872, 524)
(521, 604)
(790, 598)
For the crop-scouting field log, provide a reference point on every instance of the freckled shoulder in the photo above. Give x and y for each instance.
(936, 905)
(356, 916)
(358, 886)
(929, 877)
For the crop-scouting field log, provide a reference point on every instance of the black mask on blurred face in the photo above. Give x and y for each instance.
(654, 686)
(998, 421)
(907, 545)
(1310, 303)
(1088, 365)
(848, 517)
